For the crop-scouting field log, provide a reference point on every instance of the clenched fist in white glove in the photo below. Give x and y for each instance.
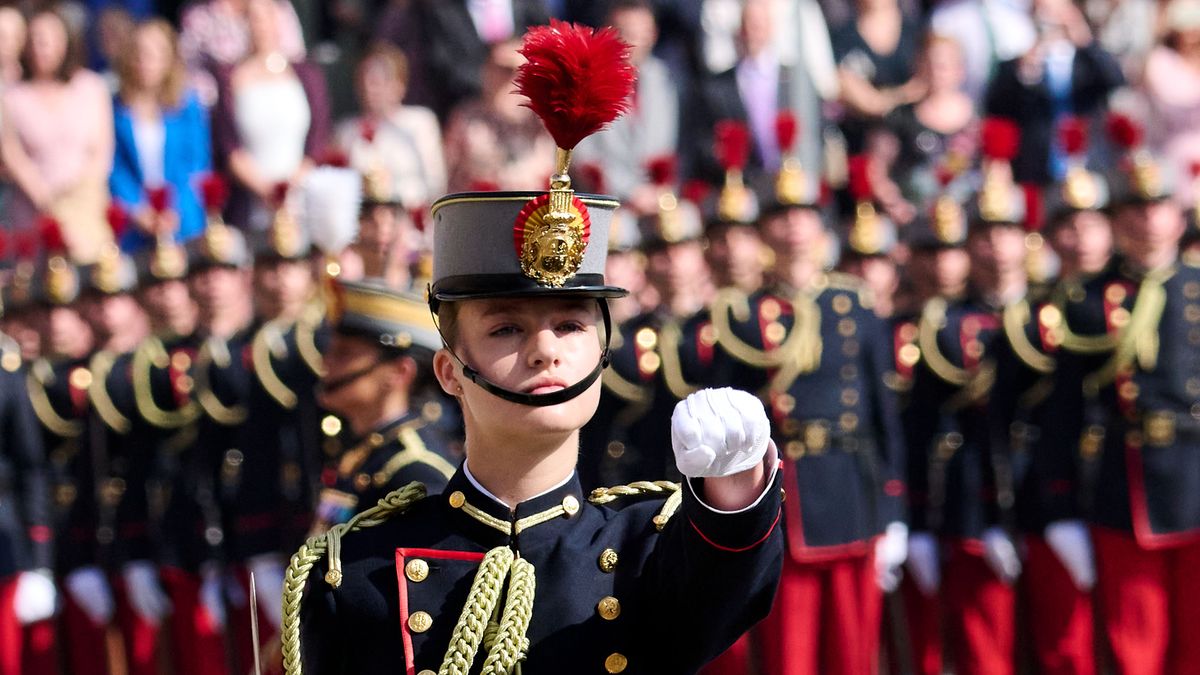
(890, 552)
(88, 588)
(924, 562)
(719, 432)
(268, 585)
(212, 594)
(144, 591)
(1070, 541)
(1001, 555)
(35, 599)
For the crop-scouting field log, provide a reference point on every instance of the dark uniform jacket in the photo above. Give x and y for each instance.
(393, 455)
(58, 391)
(613, 593)
(820, 358)
(952, 460)
(25, 535)
(1133, 341)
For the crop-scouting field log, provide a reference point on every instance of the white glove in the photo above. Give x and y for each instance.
(924, 562)
(719, 432)
(890, 551)
(1001, 555)
(268, 584)
(145, 593)
(89, 589)
(36, 598)
(1070, 541)
(212, 595)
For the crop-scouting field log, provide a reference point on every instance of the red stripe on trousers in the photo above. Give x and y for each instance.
(1059, 616)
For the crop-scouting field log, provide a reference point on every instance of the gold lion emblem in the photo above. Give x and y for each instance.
(551, 242)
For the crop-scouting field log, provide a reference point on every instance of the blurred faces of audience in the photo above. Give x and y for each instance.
(12, 35)
(262, 18)
(756, 32)
(942, 66)
(382, 82)
(637, 27)
(48, 43)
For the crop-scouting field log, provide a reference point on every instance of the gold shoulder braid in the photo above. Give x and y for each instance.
(644, 488)
(933, 319)
(215, 351)
(306, 344)
(625, 390)
(101, 365)
(1081, 344)
(1015, 317)
(58, 425)
(269, 342)
(669, 338)
(152, 353)
(801, 350)
(1138, 340)
(414, 450)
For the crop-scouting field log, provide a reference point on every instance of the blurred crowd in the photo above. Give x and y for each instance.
(178, 180)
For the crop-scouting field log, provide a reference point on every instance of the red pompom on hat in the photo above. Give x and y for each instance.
(159, 198)
(662, 170)
(50, 232)
(1073, 136)
(786, 129)
(1000, 138)
(732, 144)
(1123, 130)
(213, 191)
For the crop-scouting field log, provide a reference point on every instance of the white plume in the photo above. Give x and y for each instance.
(331, 198)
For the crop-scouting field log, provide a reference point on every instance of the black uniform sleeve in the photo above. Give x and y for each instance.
(23, 444)
(885, 409)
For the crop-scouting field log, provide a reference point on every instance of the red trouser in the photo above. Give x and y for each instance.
(825, 619)
(268, 636)
(141, 638)
(923, 617)
(85, 641)
(197, 647)
(1059, 614)
(737, 660)
(980, 613)
(24, 650)
(1149, 604)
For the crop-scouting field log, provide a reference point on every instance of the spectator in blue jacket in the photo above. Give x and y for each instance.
(163, 146)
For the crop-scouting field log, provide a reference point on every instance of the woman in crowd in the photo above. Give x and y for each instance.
(1172, 86)
(272, 120)
(162, 139)
(58, 157)
(394, 144)
(494, 141)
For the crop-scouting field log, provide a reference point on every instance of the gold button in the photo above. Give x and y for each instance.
(80, 378)
(616, 663)
(420, 622)
(431, 411)
(775, 332)
(1191, 290)
(1115, 294)
(11, 361)
(1192, 313)
(849, 397)
(793, 450)
(770, 309)
(608, 608)
(649, 362)
(331, 426)
(570, 505)
(1119, 317)
(1076, 293)
(184, 384)
(375, 440)
(427, 672)
(416, 570)
(909, 354)
(615, 449)
(181, 361)
(380, 478)
(849, 372)
(457, 499)
(608, 560)
(1050, 315)
(841, 303)
(908, 332)
(1128, 391)
(786, 403)
(850, 347)
(708, 335)
(362, 481)
(646, 338)
(847, 327)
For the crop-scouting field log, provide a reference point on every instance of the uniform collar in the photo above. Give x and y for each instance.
(492, 523)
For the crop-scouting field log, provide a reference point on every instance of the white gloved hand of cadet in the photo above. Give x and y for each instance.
(890, 552)
(1001, 555)
(1070, 541)
(35, 599)
(719, 432)
(212, 594)
(88, 588)
(924, 562)
(268, 586)
(144, 591)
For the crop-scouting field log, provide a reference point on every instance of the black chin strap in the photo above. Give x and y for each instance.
(330, 386)
(539, 400)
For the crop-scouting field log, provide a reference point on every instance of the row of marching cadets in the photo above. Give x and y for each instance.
(179, 421)
(997, 469)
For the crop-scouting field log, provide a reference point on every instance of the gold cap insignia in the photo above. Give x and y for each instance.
(790, 183)
(1080, 190)
(169, 262)
(551, 235)
(866, 234)
(62, 281)
(949, 221)
(106, 276)
(285, 235)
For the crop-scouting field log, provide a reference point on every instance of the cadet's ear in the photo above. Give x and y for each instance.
(446, 371)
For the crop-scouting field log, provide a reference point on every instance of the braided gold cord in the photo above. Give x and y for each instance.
(509, 645)
(639, 488)
(669, 508)
(310, 553)
(482, 600)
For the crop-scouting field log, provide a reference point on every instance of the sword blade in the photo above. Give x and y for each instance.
(254, 624)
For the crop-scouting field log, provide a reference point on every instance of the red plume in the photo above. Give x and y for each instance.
(483, 185)
(662, 170)
(1033, 207)
(733, 144)
(51, 235)
(26, 244)
(695, 191)
(279, 192)
(3, 244)
(117, 219)
(786, 129)
(858, 172)
(1194, 169)
(1000, 138)
(1073, 136)
(334, 157)
(592, 175)
(577, 79)
(1123, 131)
(367, 129)
(159, 198)
(214, 191)
(417, 215)
(944, 175)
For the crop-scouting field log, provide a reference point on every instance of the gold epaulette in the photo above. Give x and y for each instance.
(58, 425)
(1137, 342)
(800, 351)
(1015, 318)
(1072, 291)
(152, 353)
(306, 330)
(268, 344)
(622, 388)
(644, 488)
(670, 336)
(215, 352)
(314, 548)
(101, 365)
(413, 450)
